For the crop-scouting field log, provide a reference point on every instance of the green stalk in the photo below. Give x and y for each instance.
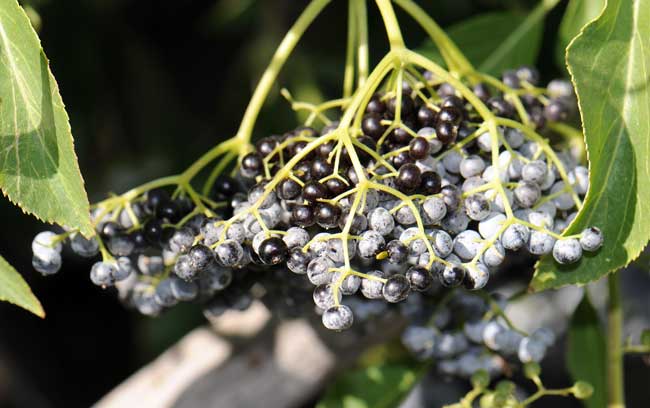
(348, 76)
(615, 380)
(242, 139)
(392, 26)
(277, 62)
(362, 40)
(454, 59)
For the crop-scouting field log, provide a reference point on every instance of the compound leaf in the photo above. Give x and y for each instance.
(497, 41)
(610, 67)
(577, 14)
(586, 352)
(14, 289)
(378, 386)
(38, 165)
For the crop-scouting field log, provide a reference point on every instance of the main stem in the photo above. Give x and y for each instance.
(391, 24)
(243, 136)
(277, 62)
(615, 381)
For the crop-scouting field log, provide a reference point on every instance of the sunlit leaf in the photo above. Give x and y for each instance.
(610, 67)
(38, 165)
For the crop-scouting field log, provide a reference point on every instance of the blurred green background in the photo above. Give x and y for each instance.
(149, 85)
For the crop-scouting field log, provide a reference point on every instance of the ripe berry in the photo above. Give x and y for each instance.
(419, 148)
(419, 278)
(327, 215)
(110, 229)
(408, 178)
(336, 186)
(556, 111)
(155, 198)
(396, 288)
(313, 191)
(303, 216)
(225, 186)
(139, 240)
(451, 196)
(430, 183)
(397, 252)
(482, 92)
(371, 126)
(500, 107)
(169, 211)
(400, 136)
(510, 79)
(453, 101)
(406, 108)
(252, 165)
(297, 147)
(567, 251)
(288, 189)
(273, 251)
(200, 256)
(320, 168)
(591, 239)
(325, 149)
(298, 260)
(452, 276)
(303, 171)
(446, 132)
(426, 117)
(265, 146)
(401, 159)
(450, 114)
(376, 105)
(338, 318)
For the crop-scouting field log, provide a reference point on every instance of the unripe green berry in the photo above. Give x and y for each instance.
(505, 387)
(645, 337)
(532, 370)
(480, 379)
(582, 390)
(487, 401)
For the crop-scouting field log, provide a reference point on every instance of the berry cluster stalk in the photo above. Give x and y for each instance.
(615, 380)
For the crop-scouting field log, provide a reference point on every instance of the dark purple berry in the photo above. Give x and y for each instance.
(273, 251)
(408, 178)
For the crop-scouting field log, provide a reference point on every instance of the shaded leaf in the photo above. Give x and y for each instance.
(14, 289)
(494, 42)
(377, 386)
(610, 66)
(587, 352)
(38, 165)
(577, 14)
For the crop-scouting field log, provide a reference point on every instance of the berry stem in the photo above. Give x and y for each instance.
(615, 379)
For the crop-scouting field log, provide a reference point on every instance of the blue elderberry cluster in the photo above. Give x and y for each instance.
(466, 334)
(425, 194)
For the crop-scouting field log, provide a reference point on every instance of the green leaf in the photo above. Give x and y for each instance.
(38, 165)
(497, 41)
(577, 14)
(14, 289)
(377, 386)
(610, 67)
(586, 352)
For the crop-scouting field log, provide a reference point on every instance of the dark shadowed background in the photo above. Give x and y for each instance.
(149, 85)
